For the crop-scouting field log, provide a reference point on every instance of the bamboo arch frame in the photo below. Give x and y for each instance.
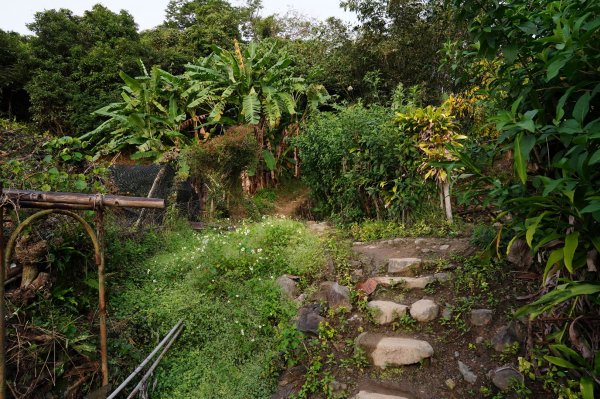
(98, 258)
(64, 204)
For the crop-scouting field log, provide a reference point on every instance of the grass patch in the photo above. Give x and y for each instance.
(435, 226)
(222, 285)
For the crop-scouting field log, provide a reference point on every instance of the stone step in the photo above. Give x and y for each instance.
(386, 311)
(408, 282)
(384, 351)
(402, 265)
(376, 395)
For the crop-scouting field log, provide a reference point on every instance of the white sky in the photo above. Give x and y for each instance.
(149, 13)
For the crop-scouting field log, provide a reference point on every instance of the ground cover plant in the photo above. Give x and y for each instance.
(222, 285)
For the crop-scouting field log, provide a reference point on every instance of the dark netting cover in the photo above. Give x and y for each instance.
(137, 180)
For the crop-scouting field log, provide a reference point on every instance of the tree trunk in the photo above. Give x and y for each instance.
(152, 192)
(442, 205)
(447, 200)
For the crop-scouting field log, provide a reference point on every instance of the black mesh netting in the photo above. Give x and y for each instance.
(137, 180)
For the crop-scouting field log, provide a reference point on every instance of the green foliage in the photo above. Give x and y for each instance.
(432, 226)
(214, 167)
(483, 235)
(359, 165)
(148, 119)
(222, 284)
(551, 122)
(205, 23)
(250, 85)
(553, 378)
(398, 41)
(435, 130)
(52, 164)
(76, 63)
(15, 56)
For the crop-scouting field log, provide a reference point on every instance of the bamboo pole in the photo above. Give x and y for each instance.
(140, 384)
(102, 295)
(150, 356)
(91, 200)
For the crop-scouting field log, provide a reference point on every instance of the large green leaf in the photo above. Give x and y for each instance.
(559, 361)
(532, 225)
(595, 158)
(586, 385)
(251, 108)
(582, 108)
(523, 146)
(555, 256)
(132, 83)
(560, 294)
(270, 160)
(571, 243)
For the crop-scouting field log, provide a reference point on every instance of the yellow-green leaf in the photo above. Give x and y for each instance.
(571, 243)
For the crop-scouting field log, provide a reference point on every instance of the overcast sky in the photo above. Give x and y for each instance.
(149, 13)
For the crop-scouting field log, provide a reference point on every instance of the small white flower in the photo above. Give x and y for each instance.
(242, 331)
(154, 281)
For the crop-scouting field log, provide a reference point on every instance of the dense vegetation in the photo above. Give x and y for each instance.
(425, 114)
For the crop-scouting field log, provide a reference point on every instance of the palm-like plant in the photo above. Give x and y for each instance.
(148, 118)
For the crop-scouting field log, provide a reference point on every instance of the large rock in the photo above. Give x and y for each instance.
(505, 337)
(387, 311)
(288, 286)
(505, 377)
(336, 296)
(424, 310)
(481, 317)
(309, 319)
(393, 351)
(398, 265)
(408, 282)
(375, 395)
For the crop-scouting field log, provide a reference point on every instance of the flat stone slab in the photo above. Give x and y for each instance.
(387, 311)
(408, 282)
(398, 265)
(393, 351)
(375, 395)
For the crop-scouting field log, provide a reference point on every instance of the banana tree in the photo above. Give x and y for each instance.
(147, 119)
(253, 86)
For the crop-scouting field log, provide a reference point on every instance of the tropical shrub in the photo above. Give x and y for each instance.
(359, 165)
(548, 79)
(147, 119)
(37, 161)
(214, 167)
(435, 131)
